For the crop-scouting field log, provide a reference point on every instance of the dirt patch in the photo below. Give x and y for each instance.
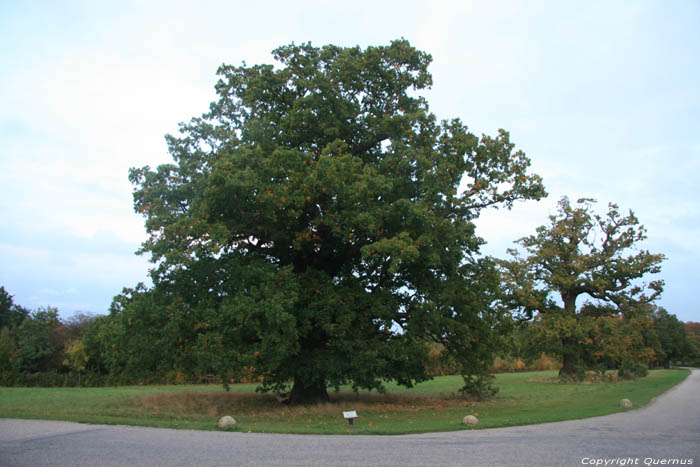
(215, 404)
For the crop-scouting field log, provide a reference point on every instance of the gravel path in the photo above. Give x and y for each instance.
(666, 432)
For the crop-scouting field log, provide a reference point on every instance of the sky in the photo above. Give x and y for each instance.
(603, 97)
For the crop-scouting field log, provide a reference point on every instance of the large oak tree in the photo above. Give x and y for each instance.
(316, 224)
(581, 254)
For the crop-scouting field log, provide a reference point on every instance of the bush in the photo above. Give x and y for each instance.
(479, 387)
(578, 377)
(632, 370)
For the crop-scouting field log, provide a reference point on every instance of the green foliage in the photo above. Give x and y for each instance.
(141, 341)
(76, 325)
(627, 336)
(40, 341)
(76, 356)
(11, 315)
(692, 330)
(674, 342)
(8, 351)
(37, 348)
(632, 370)
(576, 376)
(144, 335)
(479, 386)
(312, 227)
(97, 348)
(581, 253)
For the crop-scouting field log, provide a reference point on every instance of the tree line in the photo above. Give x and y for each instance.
(316, 228)
(142, 343)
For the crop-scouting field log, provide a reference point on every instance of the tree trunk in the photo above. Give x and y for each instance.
(308, 392)
(569, 369)
(569, 300)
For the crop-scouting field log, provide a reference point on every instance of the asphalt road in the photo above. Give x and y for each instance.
(666, 432)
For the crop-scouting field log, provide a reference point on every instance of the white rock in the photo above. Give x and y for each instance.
(470, 420)
(227, 423)
(625, 403)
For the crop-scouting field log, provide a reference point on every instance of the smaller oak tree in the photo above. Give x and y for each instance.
(580, 253)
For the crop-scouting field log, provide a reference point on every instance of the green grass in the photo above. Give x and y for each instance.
(524, 398)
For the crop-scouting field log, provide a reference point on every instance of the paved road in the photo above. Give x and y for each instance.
(666, 432)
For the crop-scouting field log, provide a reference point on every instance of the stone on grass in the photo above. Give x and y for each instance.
(625, 403)
(470, 420)
(227, 423)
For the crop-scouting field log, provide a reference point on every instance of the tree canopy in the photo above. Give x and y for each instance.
(581, 253)
(675, 342)
(316, 224)
(11, 314)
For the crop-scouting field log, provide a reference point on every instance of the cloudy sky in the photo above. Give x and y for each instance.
(602, 96)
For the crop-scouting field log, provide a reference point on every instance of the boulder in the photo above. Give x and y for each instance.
(470, 420)
(227, 423)
(625, 403)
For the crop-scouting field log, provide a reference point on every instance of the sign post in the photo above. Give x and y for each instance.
(350, 416)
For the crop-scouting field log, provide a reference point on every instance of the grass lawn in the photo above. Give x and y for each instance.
(524, 398)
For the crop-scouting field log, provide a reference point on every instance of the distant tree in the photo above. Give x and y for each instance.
(96, 337)
(674, 341)
(692, 330)
(317, 224)
(76, 357)
(11, 315)
(40, 341)
(76, 324)
(579, 253)
(8, 351)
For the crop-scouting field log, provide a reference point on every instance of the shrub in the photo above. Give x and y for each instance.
(577, 377)
(479, 387)
(632, 370)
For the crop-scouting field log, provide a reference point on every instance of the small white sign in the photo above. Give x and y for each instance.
(351, 414)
